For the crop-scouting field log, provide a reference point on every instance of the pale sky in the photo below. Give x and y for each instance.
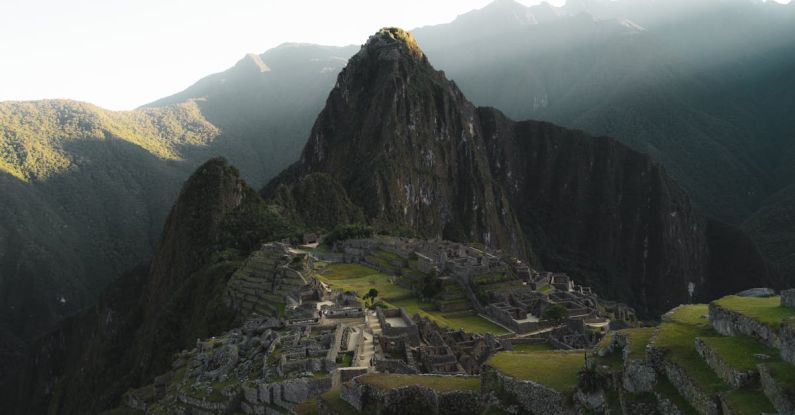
(120, 54)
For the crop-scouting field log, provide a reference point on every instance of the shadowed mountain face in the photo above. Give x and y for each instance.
(86, 191)
(152, 311)
(704, 87)
(412, 152)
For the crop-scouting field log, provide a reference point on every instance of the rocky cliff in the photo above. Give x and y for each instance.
(410, 150)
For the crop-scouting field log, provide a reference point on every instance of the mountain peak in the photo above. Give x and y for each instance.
(251, 63)
(389, 42)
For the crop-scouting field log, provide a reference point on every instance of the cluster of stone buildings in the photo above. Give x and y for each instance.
(299, 338)
(499, 287)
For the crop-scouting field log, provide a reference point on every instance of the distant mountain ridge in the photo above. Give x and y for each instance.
(86, 191)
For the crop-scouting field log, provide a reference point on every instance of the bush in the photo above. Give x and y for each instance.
(556, 313)
(345, 232)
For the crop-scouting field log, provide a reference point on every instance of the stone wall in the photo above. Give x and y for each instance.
(257, 397)
(778, 397)
(787, 337)
(703, 403)
(409, 400)
(393, 366)
(788, 298)
(523, 396)
(665, 406)
(736, 378)
(730, 323)
(638, 376)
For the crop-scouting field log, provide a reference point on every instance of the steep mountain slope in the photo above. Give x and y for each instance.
(153, 311)
(703, 87)
(86, 191)
(412, 152)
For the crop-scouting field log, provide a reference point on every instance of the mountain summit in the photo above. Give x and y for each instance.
(406, 146)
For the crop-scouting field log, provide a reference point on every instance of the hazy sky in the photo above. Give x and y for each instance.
(120, 54)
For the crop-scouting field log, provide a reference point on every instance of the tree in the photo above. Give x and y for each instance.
(371, 295)
(556, 313)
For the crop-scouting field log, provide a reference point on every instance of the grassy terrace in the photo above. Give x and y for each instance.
(738, 352)
(467, 320)
(638, 339)
(784, 374)
(437, 383)
(745, 401)
(678, 333)
(360, 278)
(554, 369)
(668, 391)
(532, 347)
(333, 400)
(766, 310)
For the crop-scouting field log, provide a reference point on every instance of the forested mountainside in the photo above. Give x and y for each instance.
(86, 191)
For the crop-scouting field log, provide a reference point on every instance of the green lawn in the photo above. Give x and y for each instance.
(334, 401)
(532, 347)
(638, 339)
(748, 401)
(667, 390)
(784, 374)
(435, 382)
(690, 314)
(306, 408)
(766, 310)
(738, 352)
(546, 289)
(468, 320)
(359, 278)
(678, 334)
(554, 369)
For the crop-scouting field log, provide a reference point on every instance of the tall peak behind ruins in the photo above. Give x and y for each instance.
(404, 144)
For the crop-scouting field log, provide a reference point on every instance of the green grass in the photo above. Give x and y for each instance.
(638, 339)
(554, 369)
(679, 340)
(468, 320)
(546, 289)
(748, 402)
(766, 310)
(690, 314)
(359, 278)
(784, 375)
(738, 352)
(678, 334)
(667, 390)
(333, 400)
(532, 347)
(437, 383)
(306, 408)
